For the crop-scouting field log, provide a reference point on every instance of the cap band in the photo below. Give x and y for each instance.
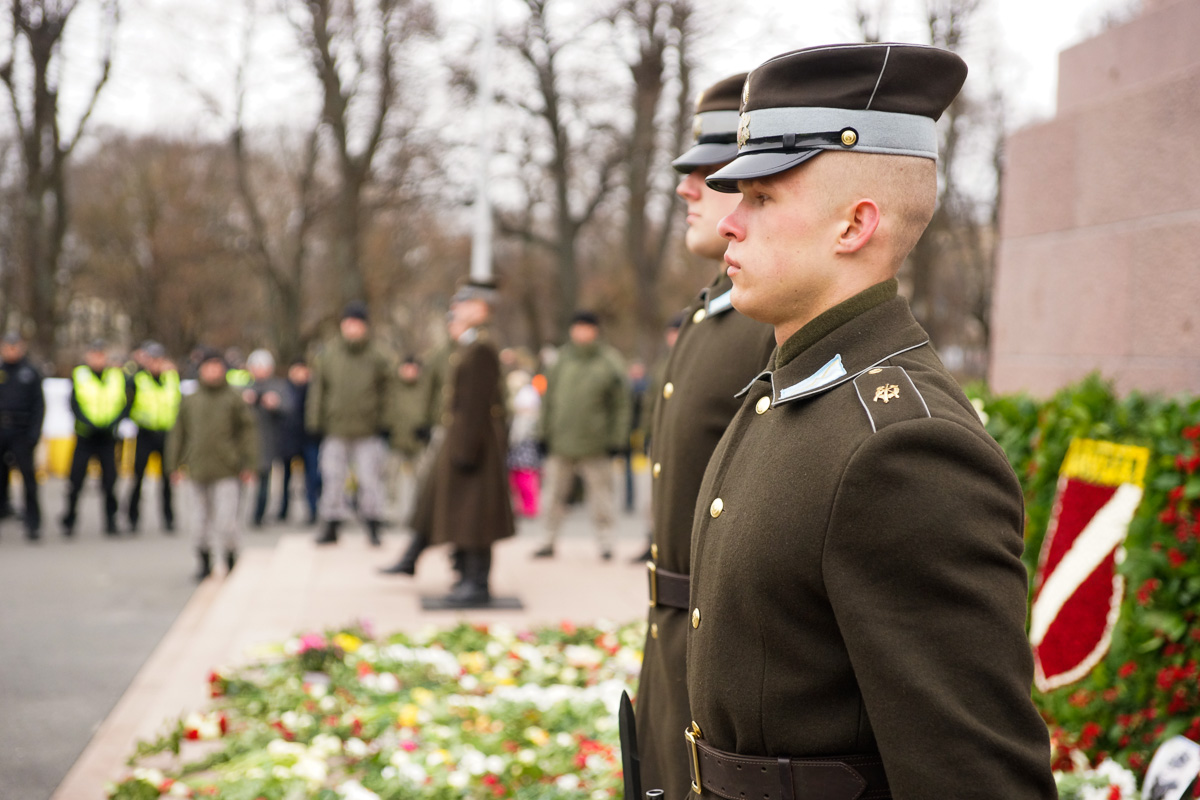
(877, 131)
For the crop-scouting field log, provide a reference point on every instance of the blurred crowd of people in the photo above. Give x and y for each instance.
(357, 426)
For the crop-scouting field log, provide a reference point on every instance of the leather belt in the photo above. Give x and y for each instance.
(728, 775)
(667, 588)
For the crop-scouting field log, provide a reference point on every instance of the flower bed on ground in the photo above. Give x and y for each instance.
(1147, 687)
(465, 712)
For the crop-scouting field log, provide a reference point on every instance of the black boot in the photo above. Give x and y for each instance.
(407, 565)
(330, 535)
(230, 560)
(205, 563)
(458, 563)
(373, 532)
(473, 591)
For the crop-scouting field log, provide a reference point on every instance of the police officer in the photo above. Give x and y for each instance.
(22, 408)
(715, 352)
(99, 401)
(156, 397)
(858, 601)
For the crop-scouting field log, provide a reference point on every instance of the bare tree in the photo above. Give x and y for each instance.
(354, 47)
(582, 163)
(31, 71)
(661, 29)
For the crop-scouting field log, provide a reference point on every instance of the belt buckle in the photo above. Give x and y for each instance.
(692, 733)
(653, 569)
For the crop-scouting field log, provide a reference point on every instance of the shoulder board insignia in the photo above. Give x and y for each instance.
(889, 395)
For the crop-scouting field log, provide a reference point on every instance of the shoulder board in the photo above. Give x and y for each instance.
(888, 395)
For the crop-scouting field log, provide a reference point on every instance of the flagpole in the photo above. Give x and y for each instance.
(481, 239)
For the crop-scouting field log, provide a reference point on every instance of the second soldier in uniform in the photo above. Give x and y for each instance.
(717, 352)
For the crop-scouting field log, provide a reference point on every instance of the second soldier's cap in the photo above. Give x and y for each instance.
(882, 98)
(154, 350)
(714, 128)
(355, 309)
(12, 337)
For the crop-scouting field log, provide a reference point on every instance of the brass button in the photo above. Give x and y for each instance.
(696, 618)
(654, 551)
(668, 390)
(875, 371)
(657, 470)
(849, 137)
(716, 508)
(699, 316)
(762, 405)
(654, 630)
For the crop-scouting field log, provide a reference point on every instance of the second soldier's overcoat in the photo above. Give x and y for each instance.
(717, 353)
(857, 584)
(471, 502)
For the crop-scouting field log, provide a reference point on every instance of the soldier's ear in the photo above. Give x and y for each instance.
(857, 227)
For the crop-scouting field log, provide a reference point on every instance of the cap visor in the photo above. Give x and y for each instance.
(755, 165)
(705, 155)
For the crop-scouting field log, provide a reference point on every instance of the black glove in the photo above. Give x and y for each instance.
(422, 434)
(542, 449)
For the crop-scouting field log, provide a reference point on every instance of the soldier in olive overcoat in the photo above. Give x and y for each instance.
(858, 601)
(716, 353)
(471, 503)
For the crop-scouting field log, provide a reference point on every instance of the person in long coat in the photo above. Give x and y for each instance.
(472, 507)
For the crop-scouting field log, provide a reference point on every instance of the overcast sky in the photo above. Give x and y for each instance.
(174, 54)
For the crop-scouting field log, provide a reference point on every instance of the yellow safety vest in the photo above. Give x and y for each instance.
(101, 399)
(239, 377)
(155, 405)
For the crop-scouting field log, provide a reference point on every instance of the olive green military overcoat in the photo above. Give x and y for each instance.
(717, 353)
(472, 505)
(857, 583)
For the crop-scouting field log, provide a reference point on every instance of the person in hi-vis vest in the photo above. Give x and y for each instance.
(155, 407)
(99, 400)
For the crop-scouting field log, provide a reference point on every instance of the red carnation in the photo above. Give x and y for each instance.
(1192, 432)
(1176, 558)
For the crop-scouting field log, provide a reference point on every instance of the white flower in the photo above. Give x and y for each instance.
(563, 739)
(306, 721)
(278, 748)
(325, 745)
(436, 758)
(983, 415)
(149, 775)
(389, 773)
(317, 690)
(290, 720)
(353, 790)
(415, 773)
(527, 756)
(469, 682)
(494, 764)
(568, 782)
(582, 655)
(569, 675)
(458, 780)
(599, 794)
(356, 748)
(179, 790)
(311, 769)
(327, 704)
(473, 761)
(388, 683)
(494, 649)
(399, 758)
(281, 772)
(594, 762)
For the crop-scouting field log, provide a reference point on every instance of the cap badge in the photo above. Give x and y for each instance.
(697, 127)
(746, 91)
(887, 392)
(743, 129)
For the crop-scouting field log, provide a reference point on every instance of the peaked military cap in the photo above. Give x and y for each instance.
(866, 98)
(715, 125)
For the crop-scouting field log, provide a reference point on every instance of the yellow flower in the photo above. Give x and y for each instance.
(423, 696)
(473, 662)
(408, 715)
(537, 735)
(347, 642)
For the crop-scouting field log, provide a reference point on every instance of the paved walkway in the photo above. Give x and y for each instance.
(122, 599)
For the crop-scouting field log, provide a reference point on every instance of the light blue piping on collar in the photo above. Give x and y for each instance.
(826, 374)
(722, 303)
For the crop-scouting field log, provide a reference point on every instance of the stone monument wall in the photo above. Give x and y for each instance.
(1099, 260)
